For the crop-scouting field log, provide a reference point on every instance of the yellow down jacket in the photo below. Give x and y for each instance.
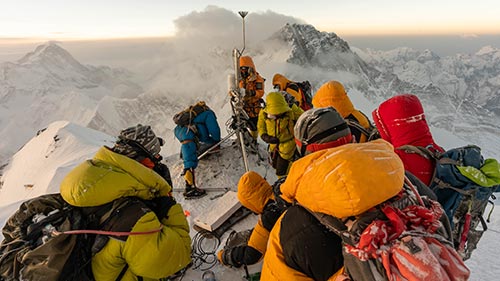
(343, 181)
(109, 176)
(281, 127)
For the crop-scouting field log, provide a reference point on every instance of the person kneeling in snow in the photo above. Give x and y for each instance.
(131, 173)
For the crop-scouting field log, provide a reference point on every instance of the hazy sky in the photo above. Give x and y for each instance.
(62, 19)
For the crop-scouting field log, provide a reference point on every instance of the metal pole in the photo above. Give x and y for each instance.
(243, 14)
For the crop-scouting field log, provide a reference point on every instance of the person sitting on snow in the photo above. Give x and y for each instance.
(317, 130)
(401, 121)
(200, 134)
(333, 94)
(131, 171)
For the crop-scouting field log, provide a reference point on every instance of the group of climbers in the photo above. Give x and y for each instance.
(327, 163)
(340, 167)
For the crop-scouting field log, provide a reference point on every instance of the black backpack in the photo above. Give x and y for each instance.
(186, 117)
(34, 247)
(306, 92)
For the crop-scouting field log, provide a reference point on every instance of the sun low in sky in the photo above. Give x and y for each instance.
(95, 19)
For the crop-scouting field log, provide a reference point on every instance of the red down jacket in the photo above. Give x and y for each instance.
(401, 121)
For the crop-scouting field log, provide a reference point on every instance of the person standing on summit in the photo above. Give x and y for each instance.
(253, 84)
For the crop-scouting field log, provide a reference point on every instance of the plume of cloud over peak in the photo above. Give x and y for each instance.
(221, 26)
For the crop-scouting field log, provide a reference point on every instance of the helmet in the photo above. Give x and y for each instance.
(320, 128)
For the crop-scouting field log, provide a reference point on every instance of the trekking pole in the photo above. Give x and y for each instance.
(215, 145)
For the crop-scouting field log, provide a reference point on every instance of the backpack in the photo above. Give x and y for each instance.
(371, 133)
(305, 90)
(35, 246)
(186, 117)
(463, 198)
(399, 239)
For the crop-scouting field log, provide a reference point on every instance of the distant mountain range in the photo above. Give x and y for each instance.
(460, 93)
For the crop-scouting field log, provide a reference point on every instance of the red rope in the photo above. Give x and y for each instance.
(104, 232)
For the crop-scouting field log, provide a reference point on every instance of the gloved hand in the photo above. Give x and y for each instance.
(270, 215)
(161, 205)
(270, 139)
(224, 257)
(162, 170)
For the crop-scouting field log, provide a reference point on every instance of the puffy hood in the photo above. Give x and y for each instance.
(254, 191)
(346, 180)
(333, 94)
(280, 80)
(401, 120)
(276, 104)
(248, 62)
(109, 176)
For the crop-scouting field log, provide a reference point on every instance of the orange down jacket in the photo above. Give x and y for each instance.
(333, 94)
(254, 83)
(343, 181)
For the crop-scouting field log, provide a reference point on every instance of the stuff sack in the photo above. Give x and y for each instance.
(186, 117)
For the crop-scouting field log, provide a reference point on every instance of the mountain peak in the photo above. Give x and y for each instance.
(309, 44)
(48, 54)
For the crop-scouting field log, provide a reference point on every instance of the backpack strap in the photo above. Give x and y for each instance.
(332, 223)
(420, 150)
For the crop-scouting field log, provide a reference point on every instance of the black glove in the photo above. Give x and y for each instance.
(269, 139)
(161, 205)
(162, 170)
(270, 215)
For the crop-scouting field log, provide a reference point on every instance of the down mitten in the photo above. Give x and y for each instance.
(161, 205)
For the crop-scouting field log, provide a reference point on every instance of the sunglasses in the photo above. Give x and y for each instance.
(244, 68)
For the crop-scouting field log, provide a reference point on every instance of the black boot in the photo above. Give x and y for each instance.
(192, 192)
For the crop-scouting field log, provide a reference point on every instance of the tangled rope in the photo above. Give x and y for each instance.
(203, 250)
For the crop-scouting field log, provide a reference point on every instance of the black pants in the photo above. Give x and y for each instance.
(280, 164)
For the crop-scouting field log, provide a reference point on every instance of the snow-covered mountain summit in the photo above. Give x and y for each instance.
(48, 84)
(50, 68)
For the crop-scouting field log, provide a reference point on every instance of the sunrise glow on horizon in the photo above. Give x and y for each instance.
(92, 19)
